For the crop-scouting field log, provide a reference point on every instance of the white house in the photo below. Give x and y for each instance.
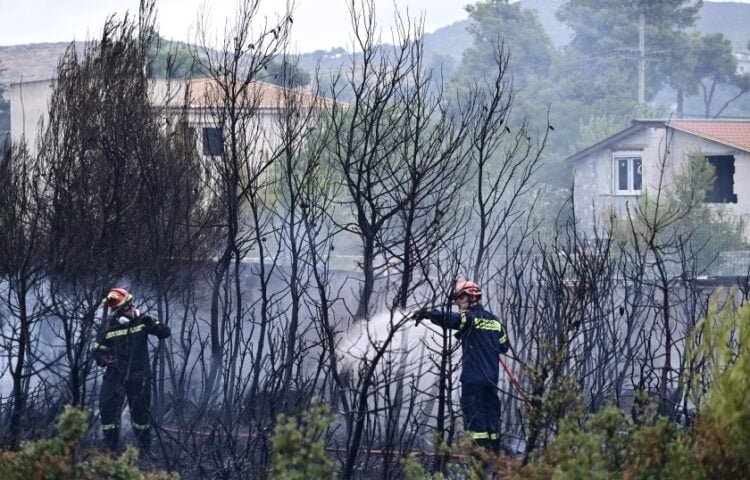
(29, 105)
(616, 170)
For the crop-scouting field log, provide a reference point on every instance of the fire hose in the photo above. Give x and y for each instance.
(515, 383)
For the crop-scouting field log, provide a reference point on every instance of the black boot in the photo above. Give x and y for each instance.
(496, 446)
(484, 443)
(144, 439)
(112, 439)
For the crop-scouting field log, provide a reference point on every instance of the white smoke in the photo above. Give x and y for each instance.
(362, 338)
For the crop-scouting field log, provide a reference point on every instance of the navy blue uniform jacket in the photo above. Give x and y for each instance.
(482, 337)
(127, 345)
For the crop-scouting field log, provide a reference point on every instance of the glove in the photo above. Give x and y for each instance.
(160, 330)
(156, 327)
(102, 359)
(420, 315)
(163, 331)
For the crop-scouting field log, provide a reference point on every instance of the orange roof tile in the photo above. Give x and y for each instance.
(730, 132)
(205, 93)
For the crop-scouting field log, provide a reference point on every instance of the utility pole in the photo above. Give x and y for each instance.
(642, 59)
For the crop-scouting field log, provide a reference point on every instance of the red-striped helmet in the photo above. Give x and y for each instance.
(116, 298)
(466, 287)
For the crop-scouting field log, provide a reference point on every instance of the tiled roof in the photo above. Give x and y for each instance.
(206, 93)
(735, 133)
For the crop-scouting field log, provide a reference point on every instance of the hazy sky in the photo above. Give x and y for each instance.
(318, 24)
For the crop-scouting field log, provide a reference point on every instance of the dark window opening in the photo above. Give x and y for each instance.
(722, 190)
(622, 174)
(213, 144)
(637, 174)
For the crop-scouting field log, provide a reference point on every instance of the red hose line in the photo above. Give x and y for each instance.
(515, 383)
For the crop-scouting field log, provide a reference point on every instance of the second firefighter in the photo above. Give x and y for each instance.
(122, 348)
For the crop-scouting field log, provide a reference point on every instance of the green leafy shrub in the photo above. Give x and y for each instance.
(659, 451)
(56, 458)
(299, 446)
(722, 430)
(609, 445)
(584, 448)
(469, 462)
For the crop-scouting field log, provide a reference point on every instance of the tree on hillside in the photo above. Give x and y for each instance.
(285, 73)
(533, 71)
(592, 85)
(519, 29)
(170, 60)
(720, 69)
(606, 43)
(700, 67)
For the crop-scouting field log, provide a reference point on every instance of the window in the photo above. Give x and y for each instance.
(722, 191)
(213, 143)
(628, 174)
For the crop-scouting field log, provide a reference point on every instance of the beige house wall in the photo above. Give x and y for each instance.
(29, 106)
(29, 102)
(596, 196)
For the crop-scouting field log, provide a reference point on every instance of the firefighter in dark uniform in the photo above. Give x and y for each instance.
(483, 338)
(122, 348)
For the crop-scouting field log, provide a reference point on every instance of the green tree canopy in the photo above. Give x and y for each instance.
(496, 21)
(286, 73)
(170, 60)
(606, 42)
(699, 66)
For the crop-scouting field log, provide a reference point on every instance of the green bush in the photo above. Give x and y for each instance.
(584, 448)
(56, 458)
(722, 430)
(469, 462)
(608, 445)
(299, 446)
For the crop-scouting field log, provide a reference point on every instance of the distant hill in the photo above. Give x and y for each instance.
(35, 61)
(444, 45)
(449, 41)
